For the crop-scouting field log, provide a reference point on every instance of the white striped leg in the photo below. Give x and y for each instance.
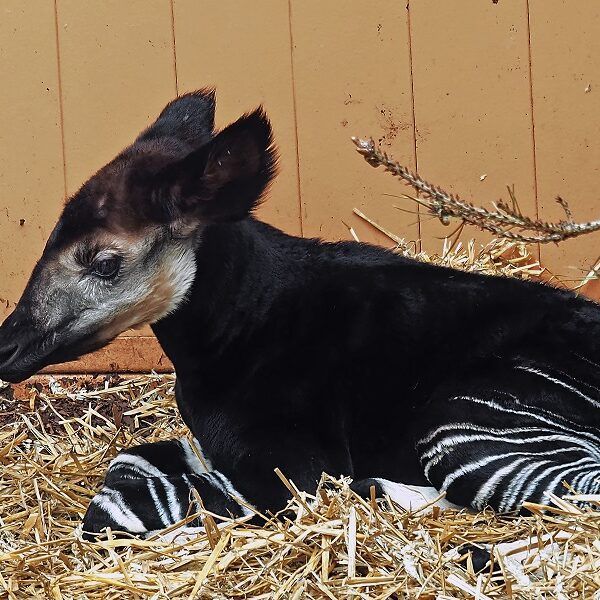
(145, 505)
(158, 459)
(504, 467)
(513, 436)
(150, 487)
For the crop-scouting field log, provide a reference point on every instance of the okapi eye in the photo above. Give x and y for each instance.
(106, 267)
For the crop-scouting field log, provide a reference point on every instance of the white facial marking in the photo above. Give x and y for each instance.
(144, 292)
(180, 265)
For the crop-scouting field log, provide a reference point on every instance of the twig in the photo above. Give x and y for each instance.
(504, 221)
(385, 232)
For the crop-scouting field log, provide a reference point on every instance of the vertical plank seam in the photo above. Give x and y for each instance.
(60, 101)
(533, 137)
(295, 112)
(414, 120)
(172, 3)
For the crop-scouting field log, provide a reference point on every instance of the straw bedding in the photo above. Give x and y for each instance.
(56, 441)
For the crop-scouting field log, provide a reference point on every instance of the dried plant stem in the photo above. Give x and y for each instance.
(504, 221)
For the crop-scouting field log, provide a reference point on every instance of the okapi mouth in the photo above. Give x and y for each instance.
(16, 375)
(13, 370)
(8, 353)
(22, 357)
(23, 354)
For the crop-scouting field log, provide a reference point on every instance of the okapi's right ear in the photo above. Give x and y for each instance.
(189, 118)
(225, 179)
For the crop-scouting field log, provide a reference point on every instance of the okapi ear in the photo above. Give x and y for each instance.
(225, 179)
(189, 118)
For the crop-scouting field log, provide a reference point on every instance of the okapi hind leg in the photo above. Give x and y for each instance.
(421, 499)
(512, 436)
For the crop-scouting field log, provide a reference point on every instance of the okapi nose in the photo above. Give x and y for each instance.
(8, 351)
(9, 338)
(14, 320)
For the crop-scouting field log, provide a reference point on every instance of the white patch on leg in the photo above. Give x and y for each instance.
(220, 481)
(140, 465)
(181, 535)
(194, 457)
(184, 534)
(149, 471)
(112, 503)
(414, 497)
(162, 513)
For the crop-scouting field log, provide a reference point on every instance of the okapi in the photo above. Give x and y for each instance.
(301, 354)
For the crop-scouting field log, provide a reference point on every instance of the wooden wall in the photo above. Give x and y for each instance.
(457, 89)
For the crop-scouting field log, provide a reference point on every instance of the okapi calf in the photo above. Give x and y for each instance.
(301, 354)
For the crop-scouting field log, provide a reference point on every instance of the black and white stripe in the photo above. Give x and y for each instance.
(157, 460)
(152, 486)
(501, 448)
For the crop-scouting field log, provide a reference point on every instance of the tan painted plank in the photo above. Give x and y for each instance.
(243, 49)
(472, 103)
(124, 355)
(352, 77)
(117, 68)
(31, 163)
(565, 47)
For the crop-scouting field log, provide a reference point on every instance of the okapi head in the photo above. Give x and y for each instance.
(123, 251)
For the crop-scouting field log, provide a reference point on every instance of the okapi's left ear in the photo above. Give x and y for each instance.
(190, 118)
(225, 179)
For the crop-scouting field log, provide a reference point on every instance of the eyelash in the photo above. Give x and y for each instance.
(85, 256)
(114, 261)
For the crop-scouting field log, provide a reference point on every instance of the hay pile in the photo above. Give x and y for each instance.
(56, 441)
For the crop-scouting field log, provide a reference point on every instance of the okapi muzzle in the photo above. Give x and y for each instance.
(17, 337)
(123, 252)
(33, 332)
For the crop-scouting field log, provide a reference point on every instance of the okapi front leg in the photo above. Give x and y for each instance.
(152, 486)
(158, 459)
(301, 456)
(148, 505)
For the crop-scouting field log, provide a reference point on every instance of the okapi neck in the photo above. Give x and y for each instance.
(238, 275)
